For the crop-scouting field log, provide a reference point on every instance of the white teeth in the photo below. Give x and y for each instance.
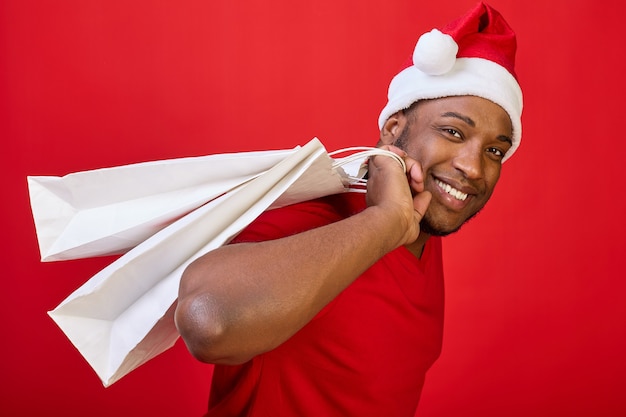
(452, 191)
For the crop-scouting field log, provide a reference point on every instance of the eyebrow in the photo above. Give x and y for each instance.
(460, 117)
(471, 122)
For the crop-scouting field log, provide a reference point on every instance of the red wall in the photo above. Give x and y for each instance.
(535, 321)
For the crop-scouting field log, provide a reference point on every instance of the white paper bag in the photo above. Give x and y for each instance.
(123, 316)
(108, 211)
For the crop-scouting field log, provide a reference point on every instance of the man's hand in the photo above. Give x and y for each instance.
(401, 195)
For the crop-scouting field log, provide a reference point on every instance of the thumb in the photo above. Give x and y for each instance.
(420, 204)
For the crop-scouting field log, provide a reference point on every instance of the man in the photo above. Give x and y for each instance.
(335, 306)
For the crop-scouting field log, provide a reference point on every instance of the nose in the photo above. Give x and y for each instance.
(469, 160)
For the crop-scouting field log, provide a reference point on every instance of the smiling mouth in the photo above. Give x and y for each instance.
(459, 195)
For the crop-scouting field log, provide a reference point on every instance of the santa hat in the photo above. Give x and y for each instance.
(473, 55)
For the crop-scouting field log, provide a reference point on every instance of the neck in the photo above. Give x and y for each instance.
(417, 247)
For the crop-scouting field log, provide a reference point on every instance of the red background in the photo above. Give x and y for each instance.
(535, 320)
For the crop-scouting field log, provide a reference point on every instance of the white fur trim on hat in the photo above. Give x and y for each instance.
(468, 77)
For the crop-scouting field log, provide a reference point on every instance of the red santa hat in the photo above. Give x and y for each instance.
(473, 55)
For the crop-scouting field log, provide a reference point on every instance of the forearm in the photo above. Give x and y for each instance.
(245, 299)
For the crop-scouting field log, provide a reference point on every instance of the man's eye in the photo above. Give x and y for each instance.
(495, 151)
(453, 132)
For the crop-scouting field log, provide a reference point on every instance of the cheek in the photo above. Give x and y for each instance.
(491, 182)
(427, 153)
(492, 177)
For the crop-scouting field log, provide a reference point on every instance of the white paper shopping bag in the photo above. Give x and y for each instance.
(123, 316)
(108, 211)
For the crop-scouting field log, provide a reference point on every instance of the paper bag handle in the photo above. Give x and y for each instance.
(357, 183)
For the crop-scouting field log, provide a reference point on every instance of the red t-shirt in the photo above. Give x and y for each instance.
(365, 354)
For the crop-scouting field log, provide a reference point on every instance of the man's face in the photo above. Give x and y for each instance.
(459, 142)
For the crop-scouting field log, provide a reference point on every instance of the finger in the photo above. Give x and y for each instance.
(394, 149)
(376, 160)
(421, 203)
(415, 175)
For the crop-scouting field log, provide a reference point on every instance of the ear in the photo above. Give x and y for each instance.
(392, 128)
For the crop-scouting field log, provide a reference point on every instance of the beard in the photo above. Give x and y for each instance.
(427, 225)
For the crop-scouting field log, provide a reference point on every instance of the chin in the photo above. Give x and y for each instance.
(438, 228)
(428, 227)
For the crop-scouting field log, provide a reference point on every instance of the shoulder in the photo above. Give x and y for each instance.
(297, 218)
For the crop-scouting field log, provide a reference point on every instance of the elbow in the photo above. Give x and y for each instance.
(197, 316)
(204, 330)
(206, 321)
(200, 327)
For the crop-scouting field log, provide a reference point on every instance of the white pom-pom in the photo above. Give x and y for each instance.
(435, 53)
